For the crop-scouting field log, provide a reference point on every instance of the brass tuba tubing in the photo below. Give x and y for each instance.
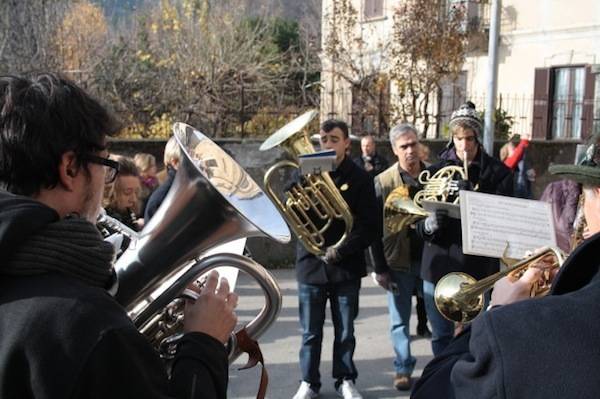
(459, 297)
(255, 328)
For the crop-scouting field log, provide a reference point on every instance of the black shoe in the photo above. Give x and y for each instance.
(423, 331)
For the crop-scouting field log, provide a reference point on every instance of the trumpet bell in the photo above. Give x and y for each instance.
(448, 298)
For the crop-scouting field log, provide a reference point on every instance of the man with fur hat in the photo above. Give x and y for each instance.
(443, 252)
(516, 349)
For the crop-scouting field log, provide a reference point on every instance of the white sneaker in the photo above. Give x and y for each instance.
(304, 392)
(347, 390)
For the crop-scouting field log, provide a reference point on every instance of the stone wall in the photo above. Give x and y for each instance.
(255, 162)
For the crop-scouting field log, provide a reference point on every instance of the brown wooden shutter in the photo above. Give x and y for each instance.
(587, 117)
(541, 103)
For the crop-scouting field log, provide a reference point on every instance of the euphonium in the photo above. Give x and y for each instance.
(459, 297)
(309, 209)
(212, 201)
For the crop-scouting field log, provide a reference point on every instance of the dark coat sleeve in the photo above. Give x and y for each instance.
(123, 365)
(366, 220)
(467, 368)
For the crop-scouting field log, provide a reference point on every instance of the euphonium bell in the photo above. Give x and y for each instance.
(459, 297)
(311, 208)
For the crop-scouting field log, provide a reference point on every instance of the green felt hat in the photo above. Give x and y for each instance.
(586, 172)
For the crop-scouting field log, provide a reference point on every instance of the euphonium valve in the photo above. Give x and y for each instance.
(459, 297)
(312, 207)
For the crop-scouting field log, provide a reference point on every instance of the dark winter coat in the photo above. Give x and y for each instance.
(158, 196)
(378, 162)
(357, 189)
(443, 252)
(63, 338)
(544, 348)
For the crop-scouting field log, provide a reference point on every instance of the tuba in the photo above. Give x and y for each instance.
(212, 201)
(459, 297)
(310, 208)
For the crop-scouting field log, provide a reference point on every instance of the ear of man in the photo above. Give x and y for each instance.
(68, 170)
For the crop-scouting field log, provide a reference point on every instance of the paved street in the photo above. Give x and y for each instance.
(280, 345)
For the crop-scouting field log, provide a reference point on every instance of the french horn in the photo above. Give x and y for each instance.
(309, 208)
(400, 210)
(212, 201)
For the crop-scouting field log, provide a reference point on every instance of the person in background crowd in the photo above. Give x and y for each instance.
(171, 160)
(443, 251)
(337, 275)
(123, 198)
(370, 160)
(515, 156)
(62, 334)
(146, 165)
(397, 257)
(511, 351)
(424, 153)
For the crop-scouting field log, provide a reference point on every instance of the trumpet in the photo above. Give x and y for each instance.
(459, 297)
(309, 209)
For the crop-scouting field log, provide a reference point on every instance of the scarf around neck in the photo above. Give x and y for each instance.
(71, 246)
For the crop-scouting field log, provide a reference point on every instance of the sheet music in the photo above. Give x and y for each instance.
(491, 222)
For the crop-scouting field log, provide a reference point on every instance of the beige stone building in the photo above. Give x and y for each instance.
(548, 72)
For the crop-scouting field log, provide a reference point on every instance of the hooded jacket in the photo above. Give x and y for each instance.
(63, 338)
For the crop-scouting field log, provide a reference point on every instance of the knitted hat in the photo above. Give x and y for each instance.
(467, 115)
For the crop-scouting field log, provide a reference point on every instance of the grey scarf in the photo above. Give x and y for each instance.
(71, 246)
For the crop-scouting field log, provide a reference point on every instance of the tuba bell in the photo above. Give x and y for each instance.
(309, 209)
(459, 297)
(212, 201)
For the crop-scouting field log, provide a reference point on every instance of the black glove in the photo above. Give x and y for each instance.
(464, 185)
(436, 221)
(331, 256)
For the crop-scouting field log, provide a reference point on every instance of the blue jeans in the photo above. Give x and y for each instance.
(343, 298)
(399, 306)
(442, 329)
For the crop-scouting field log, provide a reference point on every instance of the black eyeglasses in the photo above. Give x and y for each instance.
(112, 167)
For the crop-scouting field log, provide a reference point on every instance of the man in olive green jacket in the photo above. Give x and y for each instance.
(397, 256)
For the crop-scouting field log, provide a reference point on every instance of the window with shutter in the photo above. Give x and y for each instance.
(563, 105)
(567, 102)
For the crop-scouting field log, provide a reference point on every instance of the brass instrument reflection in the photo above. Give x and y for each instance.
(227, 176)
